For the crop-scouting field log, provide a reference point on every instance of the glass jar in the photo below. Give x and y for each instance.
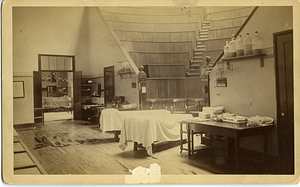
(239, 46)
(226, 50)
(257, 44)
(247, 45)
(232, 47)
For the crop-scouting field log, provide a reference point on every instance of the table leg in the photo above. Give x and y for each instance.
(236, 140)
(181, 141)
(189, 139)
(135, 145)
(192, 142)
(116, 133)
(43, 116)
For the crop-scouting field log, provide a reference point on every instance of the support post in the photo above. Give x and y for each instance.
(142, 76)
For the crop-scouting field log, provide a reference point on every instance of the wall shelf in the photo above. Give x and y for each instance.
(260, 56)
(125, 73)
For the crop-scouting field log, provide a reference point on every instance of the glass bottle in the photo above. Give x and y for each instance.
(226, 50)
(232, 47)
(257, 44)
(239, 46)
(247, 45)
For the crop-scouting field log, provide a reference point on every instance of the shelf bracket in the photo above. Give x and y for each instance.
(262, 63)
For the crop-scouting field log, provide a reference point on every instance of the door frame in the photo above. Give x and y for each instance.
(278, 107)
(104, 69)
(73, 70)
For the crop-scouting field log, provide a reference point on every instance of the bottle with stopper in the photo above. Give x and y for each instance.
(232, 47)
(239, 46)
(257, 44)
(247, 45)
(226, 50)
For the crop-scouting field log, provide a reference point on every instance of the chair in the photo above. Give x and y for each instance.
(197, 107)
(191, 148)
(39, 114)
(69, 106)
(193, 109)
(179, 106)
(157, 104)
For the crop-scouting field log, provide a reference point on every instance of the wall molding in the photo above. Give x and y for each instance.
(22, 74)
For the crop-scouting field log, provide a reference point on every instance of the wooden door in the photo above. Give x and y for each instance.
(109, 84)
(37, 94)
(77, 95)
(283, 45)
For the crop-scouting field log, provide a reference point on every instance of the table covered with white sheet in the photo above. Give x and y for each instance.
(112, 119)
(148, 129)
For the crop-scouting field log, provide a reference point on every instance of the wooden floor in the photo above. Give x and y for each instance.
(78, 147)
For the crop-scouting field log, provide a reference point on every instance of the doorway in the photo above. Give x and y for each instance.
(54, 87)
(109, 85)
(283, 50)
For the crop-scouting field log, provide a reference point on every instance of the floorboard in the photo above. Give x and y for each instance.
(77, 147)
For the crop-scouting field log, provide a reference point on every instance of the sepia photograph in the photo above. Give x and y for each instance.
(140, 92)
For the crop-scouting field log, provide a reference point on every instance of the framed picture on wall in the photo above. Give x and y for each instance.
(18, 89)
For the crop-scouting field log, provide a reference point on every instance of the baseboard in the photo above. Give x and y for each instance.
(25, 125)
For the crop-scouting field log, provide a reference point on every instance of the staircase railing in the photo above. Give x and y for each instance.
(237, 33)
(131, 62)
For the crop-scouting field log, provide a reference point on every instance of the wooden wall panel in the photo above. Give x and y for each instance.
(175, 88)
(228, 22)
(230, 14)
(222, 33)
(157, 89)
(194, 88)
(158, 46)
(110, 16)
(214, 9)
(216, 44)
(160, 58)
(154, 27)
(151, 11)
(162, 70)
(156, 36)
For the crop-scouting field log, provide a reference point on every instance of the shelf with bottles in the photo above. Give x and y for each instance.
(246, 48)
(260, 56)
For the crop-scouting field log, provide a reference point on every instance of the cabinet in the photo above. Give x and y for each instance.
(86, 87)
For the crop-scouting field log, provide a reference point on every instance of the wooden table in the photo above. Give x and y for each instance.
(233, 130)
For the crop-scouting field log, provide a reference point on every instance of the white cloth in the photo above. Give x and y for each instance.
(149, 129)
(112, 119)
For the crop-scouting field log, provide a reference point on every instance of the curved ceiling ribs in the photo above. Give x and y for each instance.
(156, 35)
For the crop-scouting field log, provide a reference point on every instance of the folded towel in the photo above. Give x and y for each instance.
(260, 120)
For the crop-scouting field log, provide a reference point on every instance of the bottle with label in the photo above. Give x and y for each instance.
(239, 46)
(247, 45)
(257, 44)
(232, 47)
(226, 50)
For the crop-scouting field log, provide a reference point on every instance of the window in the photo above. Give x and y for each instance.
(51, 62)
